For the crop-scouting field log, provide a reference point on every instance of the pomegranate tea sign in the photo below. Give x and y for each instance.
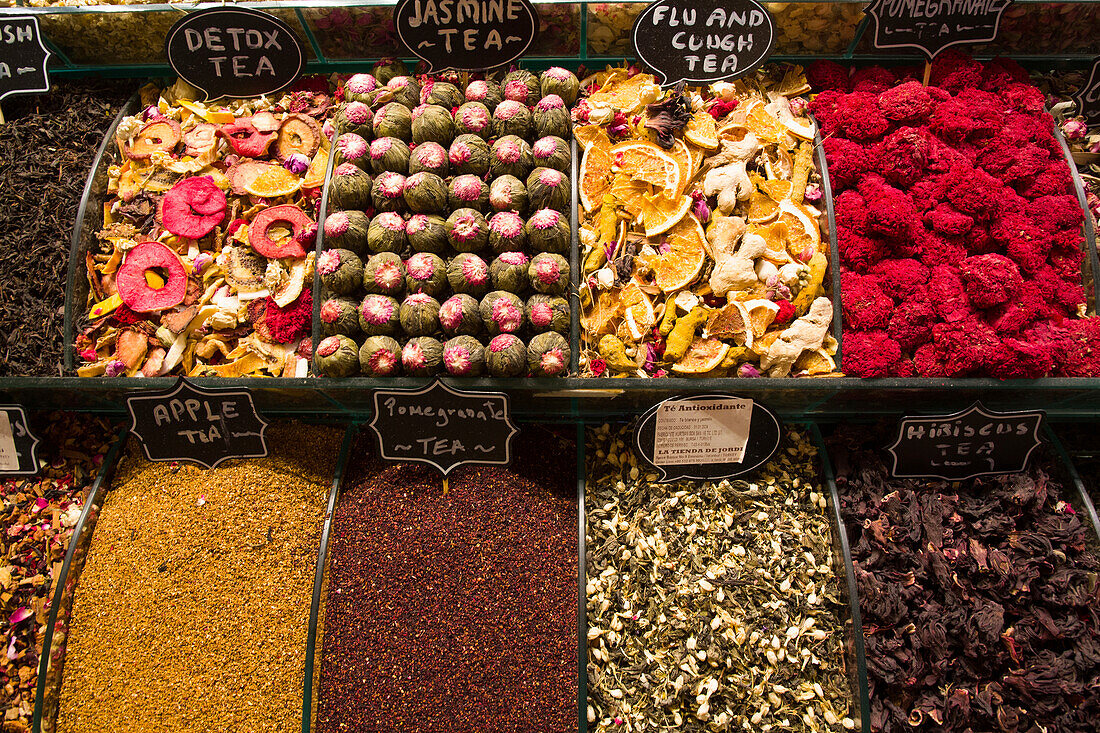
(234, 52)
(193, 423)
(703, 41)
(933, 25)
(23, 58)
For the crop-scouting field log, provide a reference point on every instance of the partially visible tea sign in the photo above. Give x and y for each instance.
(708, 436)
(974, 442)
(1088, 96)
(443, 426)
(467, 34)
(193, 423)
(18, 444)
(23, 57)
(933, 25)
(703, 41)
(234, 52)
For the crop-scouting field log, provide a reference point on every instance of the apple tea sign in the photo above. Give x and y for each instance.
(466, 35)
(933, 25)
(234, 52)
(703, 41)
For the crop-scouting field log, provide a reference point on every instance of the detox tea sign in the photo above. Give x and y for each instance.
(234, 52)
(703, 41)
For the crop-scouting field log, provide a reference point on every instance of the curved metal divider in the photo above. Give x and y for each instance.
(318, 247)
(1088, 229)
(45, 669)
(1071, 469)
(575, 263)
(319, 577)
(75, 259)
(834, 247)
(849, 571)
(582, 585)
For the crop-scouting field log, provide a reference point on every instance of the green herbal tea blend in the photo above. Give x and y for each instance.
(712, 606)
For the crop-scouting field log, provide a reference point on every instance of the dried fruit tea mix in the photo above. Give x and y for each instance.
(447, 234)
(958, 227)
(205, 261)
(454, 609)
(713, 605)
(979, 599)
(701, 233)
(47, 144)
(192, 610)
(39, 515)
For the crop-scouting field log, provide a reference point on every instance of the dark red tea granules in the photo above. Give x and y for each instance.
(47, 145)
(980, 601)
(454, 611)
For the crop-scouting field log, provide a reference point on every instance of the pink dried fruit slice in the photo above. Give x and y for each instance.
(245, 139)
(136, 292)
(200, 138)
(160, 135)
(193, 207)
(283, 215)
(244, 173)
(298, 134)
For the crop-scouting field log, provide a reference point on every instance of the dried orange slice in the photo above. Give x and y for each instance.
(704, 355)
(678, 268)
(761, 314)
(776, 190)
(775, 234)
(685, 160)
(626, 94)
(815, 362)
(762, 208)
(702, 130)
(660, 213)
(588, 135)
(595, 175)
(802, 227)
(794, 83)
(638, 311)
(273, 182)
(645, 161)
(762, 123)
(315, 176)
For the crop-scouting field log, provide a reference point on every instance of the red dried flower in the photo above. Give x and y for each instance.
(948, 295)
(968, 347)
(870, 354)
(825, 74)
(990, 279)
(866, 307)
(858, 117)
(900, 278)
(1056, 212)
(290, 323)
(857, 251)
(850, 211)
(874, 79)
(945, 219)
(848, 162)
(889, 211)
(911, 323)
(1026, 307)
(785, 313)
(928, 362)
(1023, 98)
(955, 70)
(908, 102)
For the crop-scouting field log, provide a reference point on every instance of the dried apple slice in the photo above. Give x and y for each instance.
(244, 173)
(259, 231)
(200, 139)
(160, 135)
(298, 134)
(246, 139)
(135, 290)
(193, 207)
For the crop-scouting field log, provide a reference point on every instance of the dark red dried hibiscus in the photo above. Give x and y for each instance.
(979, 599)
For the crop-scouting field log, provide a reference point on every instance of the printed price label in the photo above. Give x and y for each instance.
(18, 446)
(706, 436)
(974, 442)
(192, 423)
(23, 57)
(933, 25)
(703, 41)
(443, 426)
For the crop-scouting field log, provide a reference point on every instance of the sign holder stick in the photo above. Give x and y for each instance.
(446, 486)
(927, 73)
(2, 120)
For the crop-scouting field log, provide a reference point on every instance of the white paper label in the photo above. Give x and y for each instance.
(702, 432)
(9, 457)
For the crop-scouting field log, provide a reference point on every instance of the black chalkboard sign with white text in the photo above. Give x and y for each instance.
(234, 52)
(193, 423)
(709, 437)
(933, 25)
(23, 57)
(443, 426)
(18, 445)
(466, 36)
(1088, 96)
(703, 41)
(974, 442)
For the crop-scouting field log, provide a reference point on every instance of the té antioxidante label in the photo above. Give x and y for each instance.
(703, 41)
(933, 25)
(443, 426)
(974, 442)
(466, 35)
(234, 52)
(23, 57)
(192, 423)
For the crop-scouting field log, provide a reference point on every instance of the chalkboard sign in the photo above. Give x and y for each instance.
(18, 445)
(703, 41)
(1088, 96)
(443, 426)
(466, 35)
(974, 442)
(933, 25)
(192, 423)
(711, 436)
(23, 58)
(234, 52)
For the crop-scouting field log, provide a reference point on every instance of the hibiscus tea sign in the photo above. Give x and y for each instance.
(23, 58)
(933, 25)
(466, 36)
(963, 445)
(703, 41)
(234, 52)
